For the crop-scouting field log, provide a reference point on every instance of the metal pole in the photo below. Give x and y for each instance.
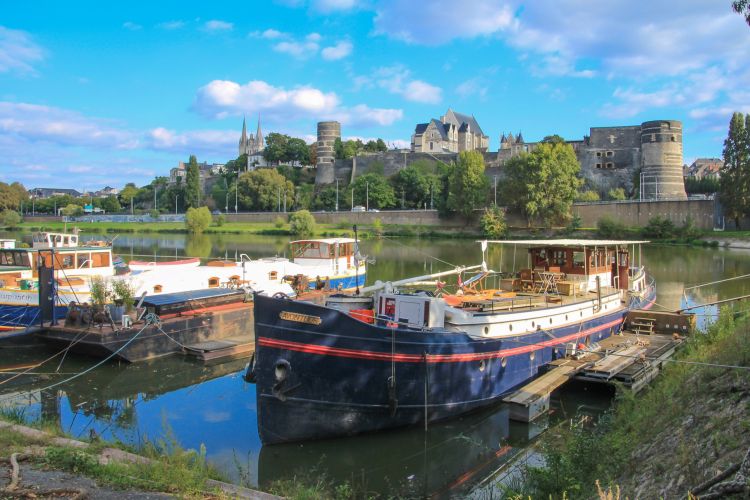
(236, 189)
(278, 199)
(131, 206)
(367, 196)
(175, 204)
(494, 180)
(285, 201)
(337, 195)
(352, 198)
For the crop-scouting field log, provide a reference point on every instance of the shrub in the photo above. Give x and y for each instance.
(197, 220)
(493, 223)
(660, 227)
(589, 195)
(302, 223)
(72, 210)
(154, 214)
(124, 292)
(279, 222)
(377, 228)
(100, 291)
(10, 218)
(607, 227)
(688, 230)
(617, 194)
(221, 219)
(574, 225)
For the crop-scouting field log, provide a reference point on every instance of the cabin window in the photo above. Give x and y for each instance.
(558, 257)
(100, 259)
(157, 288)
(82, 260)
(213, 282)
(273, 275)
(579, 259)
(68, 262)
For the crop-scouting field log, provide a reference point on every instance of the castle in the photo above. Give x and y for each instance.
(453, 133)
(251, 145)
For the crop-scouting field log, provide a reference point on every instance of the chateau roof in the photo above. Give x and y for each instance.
(462, 118)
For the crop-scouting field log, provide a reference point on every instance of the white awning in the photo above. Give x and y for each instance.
(566, 243)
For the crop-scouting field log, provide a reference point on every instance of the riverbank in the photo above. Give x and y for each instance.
(40, 462)
(692, 424)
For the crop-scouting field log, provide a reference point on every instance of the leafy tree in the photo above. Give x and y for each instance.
(297, 152)
(264, 190)
(110, 204)
(659, 227)
(276, 147)
(377, 146)
(704, 185)
(12, 196)
(493, 223)
(742, 7)
(303, 197)
(554, 139)
(587, 196)
(173, 194)
(467, 184)
(197, 220)
(326, 198)
(616, 194)
(412, 186)
(302, 223)
(348, 149)
(10, 218)
(193, 192)
(72, 210)
(219, 193)
(313, 153)
(374, 188)
(735, 174)
(129, 192)
(544, 183)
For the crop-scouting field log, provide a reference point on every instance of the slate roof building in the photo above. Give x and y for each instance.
(453, 133)
(49, 192)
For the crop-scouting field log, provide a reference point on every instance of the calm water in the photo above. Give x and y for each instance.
(211, 404)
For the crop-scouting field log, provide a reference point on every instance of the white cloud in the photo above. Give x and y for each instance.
(223, 98)
(333, 5)
(440, 21)
(18, 52)
(271, 34)
(215, 26)
(397, 80)
(300, 50)
(129, 25)
(38, 123)
(313, 37)
(473, 87)
(171, 25)
(80, 169)
(338, 51)
(215, 143)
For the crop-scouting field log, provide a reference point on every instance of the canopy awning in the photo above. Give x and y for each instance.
(566, 242)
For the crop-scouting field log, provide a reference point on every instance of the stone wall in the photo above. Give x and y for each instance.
(633, 213)
(405, 217)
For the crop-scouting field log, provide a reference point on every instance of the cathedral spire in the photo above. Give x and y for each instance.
(259, 144)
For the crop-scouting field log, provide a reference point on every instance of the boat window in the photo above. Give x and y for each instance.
(579, 258)
(213, 282)
(68, 261)
(309, 250)
(83, 260)
(157, 288)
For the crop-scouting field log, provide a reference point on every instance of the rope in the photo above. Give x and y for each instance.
(79, 374)
(717, 282)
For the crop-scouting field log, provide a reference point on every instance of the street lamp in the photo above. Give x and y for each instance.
(367, 196)
(337, 195)
(494, 180)
(175, 203)
(236, 190)
(352, 198)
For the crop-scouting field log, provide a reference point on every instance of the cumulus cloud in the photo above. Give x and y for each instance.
(398, 79)
(37, 123)
(224, 98)
(18, 52)
(202, 142)
(216, 25)
(338, 51)
(269, 34)
(301, 50)
(333, 5)
(473, 87)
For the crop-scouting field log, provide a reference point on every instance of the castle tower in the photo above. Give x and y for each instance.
(661, 160)
(328, 132)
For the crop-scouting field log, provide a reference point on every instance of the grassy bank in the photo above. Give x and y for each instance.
(692, 423)
(168, 467)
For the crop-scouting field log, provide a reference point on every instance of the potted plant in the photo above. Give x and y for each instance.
(123, 293)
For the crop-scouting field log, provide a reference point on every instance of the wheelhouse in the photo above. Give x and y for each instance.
(337, 252)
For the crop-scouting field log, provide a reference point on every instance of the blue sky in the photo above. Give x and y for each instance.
(94, 94)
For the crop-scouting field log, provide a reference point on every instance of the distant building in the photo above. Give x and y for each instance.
(49, 192)
(206, 170)
(708, 168)
(251, 145)
(106, 192)
(453, 133)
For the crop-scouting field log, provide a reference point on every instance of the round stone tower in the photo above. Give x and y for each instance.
(328, 132)
(661, 160)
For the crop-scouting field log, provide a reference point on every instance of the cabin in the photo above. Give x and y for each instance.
(335, 254)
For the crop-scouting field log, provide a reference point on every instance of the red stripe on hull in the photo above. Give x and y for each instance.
(431, 358)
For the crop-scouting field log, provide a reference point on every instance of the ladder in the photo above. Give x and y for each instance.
(642, 326)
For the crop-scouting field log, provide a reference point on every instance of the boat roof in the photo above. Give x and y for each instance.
(329, 241)
(567, 242)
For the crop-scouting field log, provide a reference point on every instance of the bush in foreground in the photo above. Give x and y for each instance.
(197, 220)
(10, 218)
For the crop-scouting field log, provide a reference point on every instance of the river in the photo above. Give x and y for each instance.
(193, 404)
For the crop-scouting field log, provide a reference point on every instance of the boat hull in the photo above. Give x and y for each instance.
(321, 373)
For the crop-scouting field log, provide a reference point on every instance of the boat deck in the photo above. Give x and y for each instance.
(519, 301)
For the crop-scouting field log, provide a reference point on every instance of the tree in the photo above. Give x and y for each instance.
(554, 139)
(72, 210)
(12, 196)
(376, 189)
(193, 193)
(412, 187)
(276, 147)
(264, 190)
(297, 151)
(588, 196)
(467, 184)
(735, 174)
(110, 204)
(312, 151)
(742, 7)
(10, 218)
(543, 183)
(302, 223)
(493, 223)
(616, 194)
(197, 220)
(128, 193)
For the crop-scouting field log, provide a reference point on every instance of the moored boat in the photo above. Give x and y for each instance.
(405, 357)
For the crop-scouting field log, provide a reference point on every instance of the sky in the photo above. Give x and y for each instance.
(95, 94)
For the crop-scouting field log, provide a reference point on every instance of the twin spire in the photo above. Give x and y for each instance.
(251, 145)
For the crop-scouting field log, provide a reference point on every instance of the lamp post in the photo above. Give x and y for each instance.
(278, 199)
(236, 190)
(494, 181)
(337, 195)
(367, 196)
(430, 196)
(352, 198)
(226, 197)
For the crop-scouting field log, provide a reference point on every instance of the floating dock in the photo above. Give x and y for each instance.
(632, 358)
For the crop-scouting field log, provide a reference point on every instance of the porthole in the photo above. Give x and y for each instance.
(482, 365)
(533, 324)
(486, 330)
(550, 321)
(566, 317)
(503, 362)
(510, 328)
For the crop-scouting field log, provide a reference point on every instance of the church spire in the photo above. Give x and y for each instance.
(259, 144)
(243, 138)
